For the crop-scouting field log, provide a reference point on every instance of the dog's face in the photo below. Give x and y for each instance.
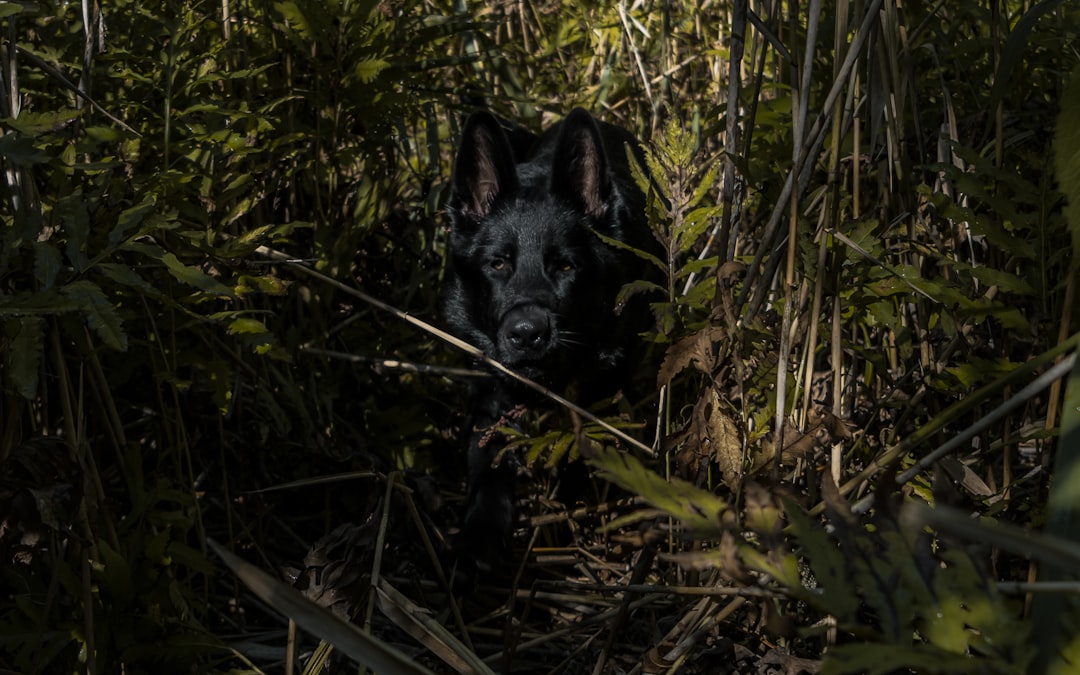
(530, 283)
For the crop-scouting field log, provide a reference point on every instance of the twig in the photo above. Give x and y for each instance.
(1061, 369)
(456, 342)
(59, 77)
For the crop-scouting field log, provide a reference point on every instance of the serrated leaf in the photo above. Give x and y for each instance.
(244, 326)
(75, 219)
(368, 70)
(633, 288)
(622, 245)
(828, 564)
(695, 348)
(698, 510)
(706, 185)
(130, 218)
(1003, 280)
(24, 354)
(193, 277)
(559, 449)
(46, 264)
(99, 313)
(696, 222)
(783, 567)
(125, 275)
(37, 123)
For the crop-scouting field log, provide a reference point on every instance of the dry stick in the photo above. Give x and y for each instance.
(59, 77)
(696, 591)
(394, 364)
(511, 636)
(380, 539)
(641, 570)
(817, 129)
(1061, 369)
(637, 56)
(460, 344)
(92, 25)
(737, 46)
(681, 651)
(594, 619)
(959, 408)
(799, 146)
(439, 572)
(1067, 309)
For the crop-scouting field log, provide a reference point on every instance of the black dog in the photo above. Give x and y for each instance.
(532, 285)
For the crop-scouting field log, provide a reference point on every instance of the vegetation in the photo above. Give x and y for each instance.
(867, 311)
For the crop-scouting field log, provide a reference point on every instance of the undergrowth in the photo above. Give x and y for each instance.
(867, 264)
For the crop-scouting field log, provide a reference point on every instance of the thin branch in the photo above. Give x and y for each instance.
(469, 349)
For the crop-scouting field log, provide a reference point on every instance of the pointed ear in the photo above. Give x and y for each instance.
(580, 169)
(484, 171)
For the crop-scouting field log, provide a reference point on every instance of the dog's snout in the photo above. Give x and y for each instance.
(527, 329)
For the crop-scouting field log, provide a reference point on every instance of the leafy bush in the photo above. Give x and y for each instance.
(865, 251)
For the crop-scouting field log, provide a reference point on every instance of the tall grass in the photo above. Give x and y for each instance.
(868, 265)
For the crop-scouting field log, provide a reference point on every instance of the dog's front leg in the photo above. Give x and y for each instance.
(489, 508)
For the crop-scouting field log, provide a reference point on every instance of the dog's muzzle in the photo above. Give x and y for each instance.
(525, 333)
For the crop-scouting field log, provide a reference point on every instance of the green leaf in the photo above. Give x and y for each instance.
(193, 277)
(75, 219)
(1067, 155)
(125, 275)
(699, 511)
(37, 123)
(99, 313)
(1004, 280)
(21, 150)
(635, 287)
(24, 354)
(368, 70)
(130, 218)
(46, 264)
(10, 9)
(644, 255)
(244, 326)
(828, 564)
(1014, 48)
(882, 658)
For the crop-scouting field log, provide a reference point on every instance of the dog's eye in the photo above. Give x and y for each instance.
(498, 264)
(565, 266)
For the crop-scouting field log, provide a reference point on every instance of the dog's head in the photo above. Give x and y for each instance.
(530, 282)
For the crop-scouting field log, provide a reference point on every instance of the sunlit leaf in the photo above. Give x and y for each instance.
(699, 510)
(369, 69)
(193, 277)
(246, 326)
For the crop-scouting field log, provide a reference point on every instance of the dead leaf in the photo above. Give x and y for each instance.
(696, 349)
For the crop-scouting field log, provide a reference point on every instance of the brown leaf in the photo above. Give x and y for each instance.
(730, 272)
(790, 665)
(696, 349)
(712, 433)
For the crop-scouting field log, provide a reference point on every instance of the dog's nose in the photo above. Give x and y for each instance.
(527, 330)
(529, 333)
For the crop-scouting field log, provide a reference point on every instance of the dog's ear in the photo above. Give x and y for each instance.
(484, 171)
(580, 171)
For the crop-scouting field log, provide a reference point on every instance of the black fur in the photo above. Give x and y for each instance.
(531, 285)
